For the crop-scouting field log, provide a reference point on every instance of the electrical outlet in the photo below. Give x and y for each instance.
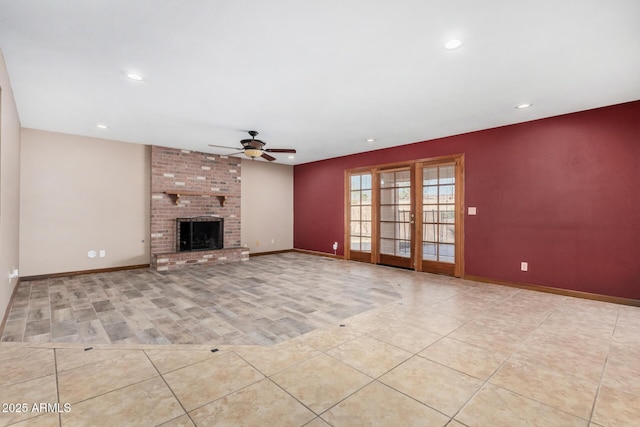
(13, 274)
(103, 253)
(524, 266)
(335, 246)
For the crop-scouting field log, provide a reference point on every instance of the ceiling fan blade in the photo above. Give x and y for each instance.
(280, 150)
(267, 157)
(224, 146)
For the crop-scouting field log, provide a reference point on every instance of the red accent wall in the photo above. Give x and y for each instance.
(560, 193)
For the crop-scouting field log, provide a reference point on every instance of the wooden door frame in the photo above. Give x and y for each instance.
(415, 166)
(458, 161)
(358, 255)
(410, 166)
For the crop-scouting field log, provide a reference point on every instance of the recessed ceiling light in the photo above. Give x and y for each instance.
(292, 157)
(101, 126)
(370, 140)
(523, 106)
(453, 44)
(135, 76)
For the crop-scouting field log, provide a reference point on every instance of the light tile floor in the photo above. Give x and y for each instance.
(441, 352)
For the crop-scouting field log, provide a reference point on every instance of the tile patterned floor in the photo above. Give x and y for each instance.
(428, 351)
(267, 303)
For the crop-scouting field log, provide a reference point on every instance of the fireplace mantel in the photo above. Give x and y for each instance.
(179, 193)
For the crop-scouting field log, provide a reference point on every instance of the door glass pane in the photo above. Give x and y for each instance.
(429, 251)
(403, 195)
(387, 180)
(447, 214)
(366, 244)
(365, 228)
(447, 174)
(403, 230)
(446, 253)
(387, 246)
(366, 197)
(430, 194)
(430, 213)
(366, 181)
(387, 230)
(447, 233)
(430, 176)
(366, 213)
(404, 248)
(355, 213)
(446, 194)
(355, 197)
(403, 178)
(430, 232)
(386, 196)
(355, 243)
(387, 213)
(355, 228)
(355, 182)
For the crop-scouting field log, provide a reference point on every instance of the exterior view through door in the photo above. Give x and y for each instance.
(407, 215)
(396, 218)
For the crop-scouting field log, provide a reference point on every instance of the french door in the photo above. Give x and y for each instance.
(407, 215)
(396, 217)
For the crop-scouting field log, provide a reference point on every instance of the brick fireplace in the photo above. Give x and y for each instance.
(189, 184)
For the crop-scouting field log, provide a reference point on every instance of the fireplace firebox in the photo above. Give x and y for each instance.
(199, 233)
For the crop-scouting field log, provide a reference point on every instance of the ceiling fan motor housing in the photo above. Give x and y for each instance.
(256, 144)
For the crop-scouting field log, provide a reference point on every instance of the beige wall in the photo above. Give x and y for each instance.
(267, 206)
(80, 194)
(9, 187)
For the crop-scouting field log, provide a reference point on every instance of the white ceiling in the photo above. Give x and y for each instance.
(318, 76)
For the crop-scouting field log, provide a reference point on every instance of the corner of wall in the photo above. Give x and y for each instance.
(9, 188)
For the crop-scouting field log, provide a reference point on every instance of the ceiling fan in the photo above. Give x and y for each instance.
(254, 148)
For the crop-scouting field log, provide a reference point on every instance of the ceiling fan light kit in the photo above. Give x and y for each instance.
(253, 152)
(254, 148)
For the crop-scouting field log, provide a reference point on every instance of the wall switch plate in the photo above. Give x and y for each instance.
(472, 210)
(524, 266)
(103, 253)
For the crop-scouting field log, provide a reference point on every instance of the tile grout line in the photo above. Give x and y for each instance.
(55, 366)
(170, 389)
(487, 381)
(604, 368)
(222, 397)
(377, 380)
(278, 385)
